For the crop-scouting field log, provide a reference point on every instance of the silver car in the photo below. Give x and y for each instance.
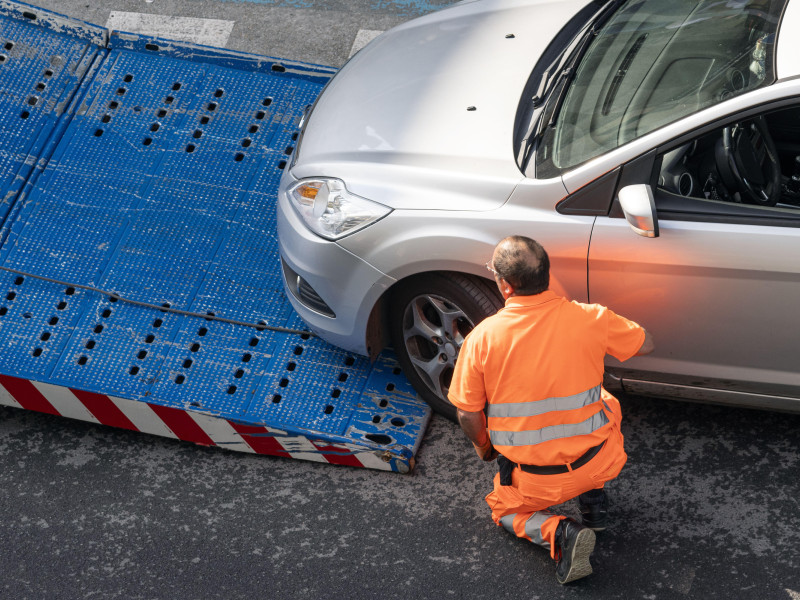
(652, 147)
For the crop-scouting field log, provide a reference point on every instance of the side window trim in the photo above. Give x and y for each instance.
(673, 207)
(593, 199)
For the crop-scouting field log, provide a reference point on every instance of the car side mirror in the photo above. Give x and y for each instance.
(640, 209)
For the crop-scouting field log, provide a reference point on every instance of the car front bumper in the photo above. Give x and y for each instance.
(331, 289)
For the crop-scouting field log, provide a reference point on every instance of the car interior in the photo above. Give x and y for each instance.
(753, 162)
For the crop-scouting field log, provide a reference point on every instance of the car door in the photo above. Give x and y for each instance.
(719, 287)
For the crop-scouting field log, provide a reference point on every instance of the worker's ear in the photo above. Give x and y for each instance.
(506, 289)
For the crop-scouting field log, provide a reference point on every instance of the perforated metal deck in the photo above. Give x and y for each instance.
(148, 169)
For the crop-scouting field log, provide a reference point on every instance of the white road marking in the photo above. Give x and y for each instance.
(210, 32)
(363, 37)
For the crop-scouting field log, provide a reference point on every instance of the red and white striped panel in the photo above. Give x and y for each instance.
(188, 426)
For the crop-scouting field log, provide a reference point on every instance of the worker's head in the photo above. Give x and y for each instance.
(521, 267)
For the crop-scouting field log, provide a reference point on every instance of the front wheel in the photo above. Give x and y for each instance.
(430, 315)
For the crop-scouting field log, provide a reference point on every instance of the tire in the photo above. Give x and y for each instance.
(429, 317)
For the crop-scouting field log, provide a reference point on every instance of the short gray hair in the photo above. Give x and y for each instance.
(523, 263)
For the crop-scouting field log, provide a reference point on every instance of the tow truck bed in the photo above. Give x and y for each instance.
(139, 270)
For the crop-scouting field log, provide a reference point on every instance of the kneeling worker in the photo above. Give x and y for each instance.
(536, 367)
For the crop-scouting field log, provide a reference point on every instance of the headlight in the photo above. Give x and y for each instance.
(330, 211)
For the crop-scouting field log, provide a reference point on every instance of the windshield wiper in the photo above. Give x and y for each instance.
(544, 87)
(558, 75)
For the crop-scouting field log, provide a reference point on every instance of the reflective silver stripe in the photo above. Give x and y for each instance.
(533, 526)
(545, 434)
(508, 523)
(539, 407)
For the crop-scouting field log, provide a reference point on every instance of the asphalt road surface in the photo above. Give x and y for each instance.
(707, 506)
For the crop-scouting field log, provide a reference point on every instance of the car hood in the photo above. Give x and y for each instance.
(423, 116)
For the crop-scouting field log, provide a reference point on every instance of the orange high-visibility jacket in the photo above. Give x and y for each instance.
(538, 363)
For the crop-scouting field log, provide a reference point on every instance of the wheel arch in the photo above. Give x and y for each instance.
(377, 332)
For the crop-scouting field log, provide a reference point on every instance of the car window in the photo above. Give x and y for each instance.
(749, 168)
(655, 62)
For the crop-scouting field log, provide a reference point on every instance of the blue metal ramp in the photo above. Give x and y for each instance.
(139, 253)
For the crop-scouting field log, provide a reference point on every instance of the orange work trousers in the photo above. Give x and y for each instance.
(521, 508)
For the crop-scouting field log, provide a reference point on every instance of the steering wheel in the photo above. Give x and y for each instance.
(747, 161)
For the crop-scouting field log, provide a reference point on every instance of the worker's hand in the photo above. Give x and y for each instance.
(486, 452)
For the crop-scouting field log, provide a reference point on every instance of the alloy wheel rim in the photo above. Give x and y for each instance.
(434, 329)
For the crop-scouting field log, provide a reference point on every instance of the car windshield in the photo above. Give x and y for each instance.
(653, 62)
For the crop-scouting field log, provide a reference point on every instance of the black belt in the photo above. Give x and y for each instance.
(557, 469)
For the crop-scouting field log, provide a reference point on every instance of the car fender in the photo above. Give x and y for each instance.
(409, 243)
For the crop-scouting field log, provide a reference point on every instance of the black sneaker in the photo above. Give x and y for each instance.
(594, 509)
(574, 544)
